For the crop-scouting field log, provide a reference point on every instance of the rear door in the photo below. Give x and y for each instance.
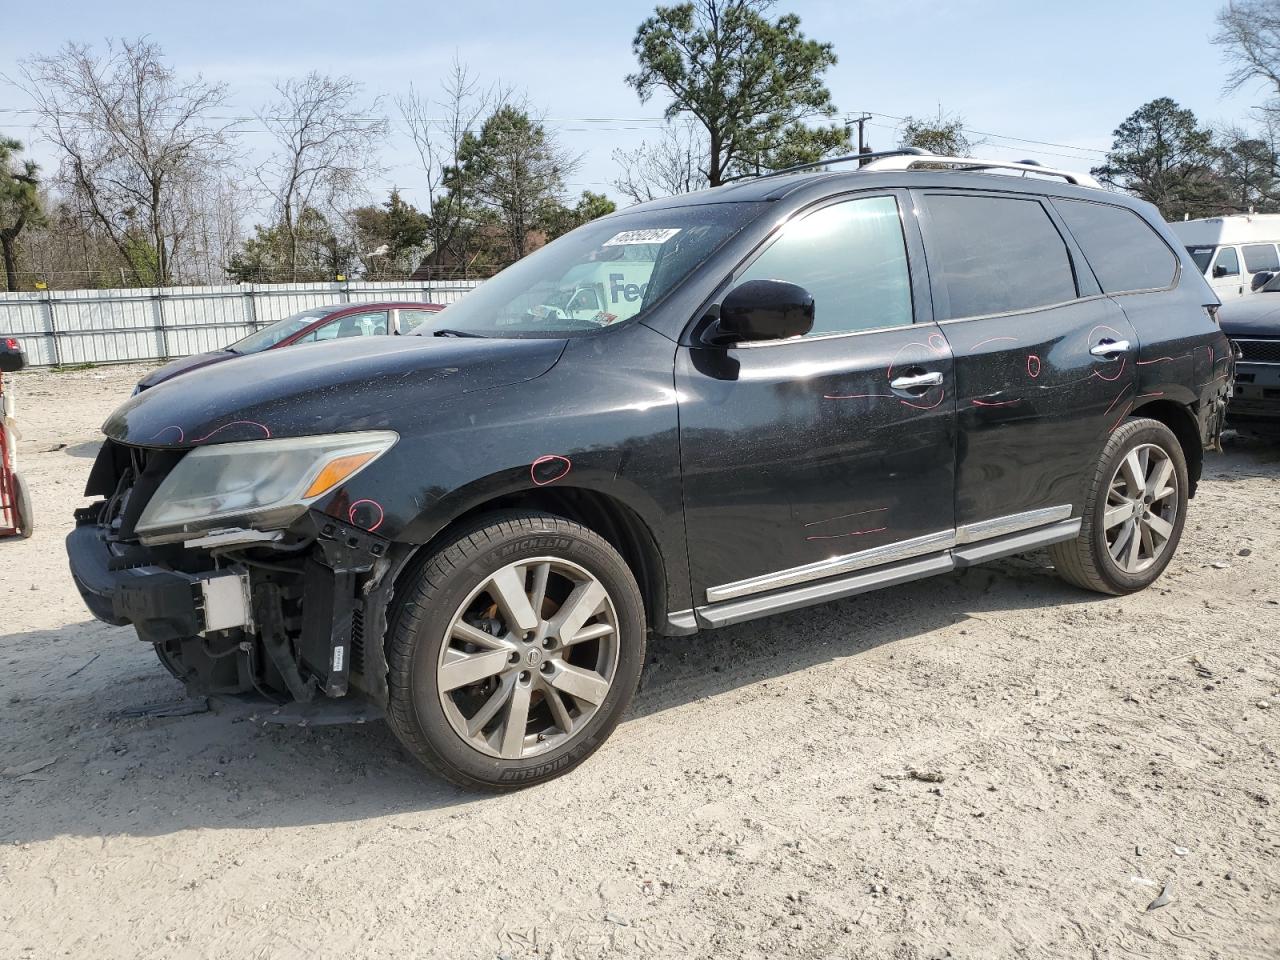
(1261, 262)
(816, 456)
(1044, 361)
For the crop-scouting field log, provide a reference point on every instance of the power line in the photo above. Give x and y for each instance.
(1002, 136)
(1043, 153)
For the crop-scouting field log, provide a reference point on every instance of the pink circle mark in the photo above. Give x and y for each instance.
(548, 458)
(1033, 366)
(351, 513)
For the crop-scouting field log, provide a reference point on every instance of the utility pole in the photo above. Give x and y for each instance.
(863, 147)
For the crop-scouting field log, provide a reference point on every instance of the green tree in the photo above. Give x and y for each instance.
(1161, 154)
(943, 135)
(310, 250)
(20, 205)
(390, 237)
(752, 82)
(559, 219)
(513, 170)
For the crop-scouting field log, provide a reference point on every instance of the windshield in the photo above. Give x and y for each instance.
(1202, 256)
(603, 273)
(273, 333)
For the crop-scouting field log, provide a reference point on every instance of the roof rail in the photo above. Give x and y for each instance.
(972, 163)
(863, 157)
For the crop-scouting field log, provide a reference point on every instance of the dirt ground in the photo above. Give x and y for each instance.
(1080, 755)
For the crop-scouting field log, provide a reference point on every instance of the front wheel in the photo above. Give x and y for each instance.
(514, 650)
(1133, 515)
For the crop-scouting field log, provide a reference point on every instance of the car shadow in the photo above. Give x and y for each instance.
(117, 775)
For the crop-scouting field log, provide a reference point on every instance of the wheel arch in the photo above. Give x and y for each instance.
(604, 514)
(1182, 421)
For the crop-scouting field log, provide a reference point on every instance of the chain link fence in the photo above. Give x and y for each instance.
(65, 327)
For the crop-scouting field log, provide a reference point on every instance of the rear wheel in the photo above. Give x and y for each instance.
(514, 650)
(26, 518)
(1134, 512)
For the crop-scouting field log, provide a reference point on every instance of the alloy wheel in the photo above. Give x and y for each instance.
(1142, 508)
(529, 657)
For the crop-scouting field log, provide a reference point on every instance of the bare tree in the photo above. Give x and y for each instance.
(1249, 33)
(131, 134)
(326, 148)
(438, 128)
(664, 168)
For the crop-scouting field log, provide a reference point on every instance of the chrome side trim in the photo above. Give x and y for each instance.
(847, 563)
(724, 614)
(999, 526)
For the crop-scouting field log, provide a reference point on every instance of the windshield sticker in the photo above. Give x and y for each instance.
(659, 235)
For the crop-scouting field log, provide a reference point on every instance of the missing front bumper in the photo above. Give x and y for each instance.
(163, 604)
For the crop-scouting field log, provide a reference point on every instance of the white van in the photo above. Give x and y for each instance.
(1232, 251)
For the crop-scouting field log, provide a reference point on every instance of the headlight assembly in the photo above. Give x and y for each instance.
(264, 483)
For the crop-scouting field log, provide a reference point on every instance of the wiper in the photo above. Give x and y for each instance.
(449, 332)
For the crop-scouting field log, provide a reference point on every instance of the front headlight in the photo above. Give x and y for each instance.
(265, 483)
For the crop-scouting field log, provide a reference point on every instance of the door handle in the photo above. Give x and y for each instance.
(1110, 348)
(916, 382)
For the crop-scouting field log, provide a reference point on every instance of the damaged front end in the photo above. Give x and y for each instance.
(217, 582)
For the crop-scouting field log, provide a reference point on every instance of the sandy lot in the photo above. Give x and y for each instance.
(756, 802)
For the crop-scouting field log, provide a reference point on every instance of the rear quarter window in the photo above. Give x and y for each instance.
(1122, 248)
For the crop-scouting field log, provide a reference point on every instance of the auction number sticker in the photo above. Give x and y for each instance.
(660, 235)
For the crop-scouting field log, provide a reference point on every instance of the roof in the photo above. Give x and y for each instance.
(779, 186)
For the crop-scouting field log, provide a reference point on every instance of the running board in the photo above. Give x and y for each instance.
(974, 553)
(729, 612)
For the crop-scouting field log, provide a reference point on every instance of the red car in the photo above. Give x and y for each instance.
(319, 323)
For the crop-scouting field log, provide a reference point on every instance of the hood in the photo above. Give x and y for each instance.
(364, 383)
(1253, 316)
(182, 365)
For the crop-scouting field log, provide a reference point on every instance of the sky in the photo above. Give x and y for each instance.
(1063, 74)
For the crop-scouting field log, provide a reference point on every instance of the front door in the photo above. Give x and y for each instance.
(798, 454)
(1225, 276)
(1045, 364)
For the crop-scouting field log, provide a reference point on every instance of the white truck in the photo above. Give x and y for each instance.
(1235, 252)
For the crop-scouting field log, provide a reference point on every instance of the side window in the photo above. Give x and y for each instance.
(852, 257)
(1123, 250)
(1261, 256)
(411, 320)
(356, 325)
(1227, 264)
(996, 255)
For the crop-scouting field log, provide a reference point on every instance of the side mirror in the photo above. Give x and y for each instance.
(1219, 271)
(765, 310)
(1260, 280)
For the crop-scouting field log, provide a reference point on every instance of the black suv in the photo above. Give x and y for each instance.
(695, 412)
(1253, 324)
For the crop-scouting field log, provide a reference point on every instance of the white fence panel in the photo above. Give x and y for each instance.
(158, 323)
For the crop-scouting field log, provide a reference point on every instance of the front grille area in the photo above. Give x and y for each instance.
(1259, 351)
